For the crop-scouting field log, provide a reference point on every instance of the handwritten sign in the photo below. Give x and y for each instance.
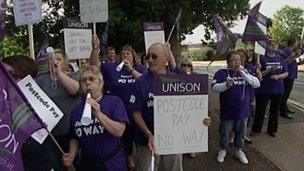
(77, 43)
(153, 33)
(180, 105)
(93, 11)
(46, 109)
(27, 11)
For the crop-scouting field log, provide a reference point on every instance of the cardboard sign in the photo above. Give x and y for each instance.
(153, 33)
(77, 43)
(180, 105)
(27, 12)
(93, 11)
(46, 109)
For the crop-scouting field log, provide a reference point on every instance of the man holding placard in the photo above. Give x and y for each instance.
(142, 105)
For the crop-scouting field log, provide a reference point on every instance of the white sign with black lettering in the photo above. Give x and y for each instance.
(178, 124)
(153, 33)
(93, 11)
(46, 109)
(27, 12)
(77, 43)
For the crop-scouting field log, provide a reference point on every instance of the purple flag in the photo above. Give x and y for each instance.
(226, 40)
(177, 19)
(104, 38)
(17, 122)
(2, 18)
(42, 57)
(252, 30)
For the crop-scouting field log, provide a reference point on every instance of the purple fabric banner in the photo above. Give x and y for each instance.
(226, 40)
(153, 26)
(104, 38)
(17, 122)
(2, 18)
(42, 57)
(181, 84)
(252, 31)
(177, 19)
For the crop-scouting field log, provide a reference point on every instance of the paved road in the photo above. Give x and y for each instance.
(287, 149)
(296, 96)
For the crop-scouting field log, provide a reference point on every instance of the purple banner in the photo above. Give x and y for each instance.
(226, 40)
(2, 18)
(153, 26)
(17, 122)
(42, 57)
(252, 30)
(76, 23)
(104, 38)
(181, 84)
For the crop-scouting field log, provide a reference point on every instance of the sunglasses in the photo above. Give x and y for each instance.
(90, 78)
(153, 56)
(186, 65)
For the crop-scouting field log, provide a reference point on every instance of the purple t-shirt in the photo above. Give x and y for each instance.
(234, 102)
(292, 67)
(142, 100)
(269, 85)
(105, 70)
(94, 139)
(251, 70)
(122, 83)
(177, 70)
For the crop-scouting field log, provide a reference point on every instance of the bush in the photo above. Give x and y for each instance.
(204, 53)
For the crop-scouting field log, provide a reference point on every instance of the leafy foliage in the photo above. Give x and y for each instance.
(126, 18)
(287, 22)
(201, 54)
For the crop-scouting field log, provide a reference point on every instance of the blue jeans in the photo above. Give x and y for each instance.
(239, 130)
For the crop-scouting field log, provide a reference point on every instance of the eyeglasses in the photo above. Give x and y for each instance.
(153, 56)
(90, 78)
(186, 65)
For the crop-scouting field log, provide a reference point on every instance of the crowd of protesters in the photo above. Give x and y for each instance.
(121, 89)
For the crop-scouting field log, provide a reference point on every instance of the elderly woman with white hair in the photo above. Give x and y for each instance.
(99, 141)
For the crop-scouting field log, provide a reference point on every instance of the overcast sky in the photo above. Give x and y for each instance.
(268, 8)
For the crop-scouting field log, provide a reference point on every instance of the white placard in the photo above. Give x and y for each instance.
(152, 37)
(93, 11)
(178, 124)
(27, 12)
(77, 43)
(46, 109)
(258, 49)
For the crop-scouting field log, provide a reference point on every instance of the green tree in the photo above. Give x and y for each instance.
(126, 18)
(287, 22)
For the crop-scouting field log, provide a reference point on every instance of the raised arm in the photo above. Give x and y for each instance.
(71, 85)
(94, 57)
(172, 62)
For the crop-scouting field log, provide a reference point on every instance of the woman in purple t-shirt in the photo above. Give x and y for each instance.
(234, 85)
(99, 140)
(274, 70)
